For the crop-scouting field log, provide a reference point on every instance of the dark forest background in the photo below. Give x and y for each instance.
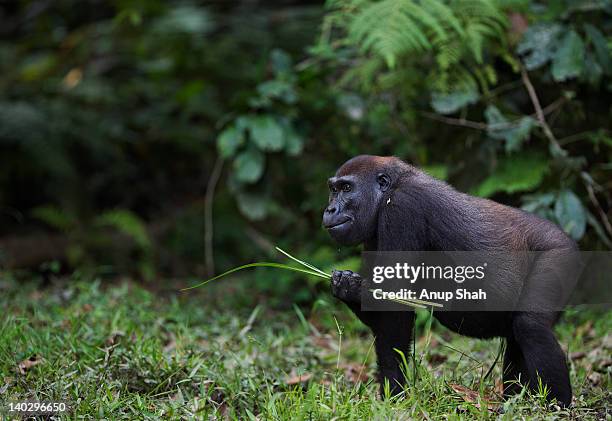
(170, 139)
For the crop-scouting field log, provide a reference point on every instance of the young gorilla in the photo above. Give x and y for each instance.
(388, 205)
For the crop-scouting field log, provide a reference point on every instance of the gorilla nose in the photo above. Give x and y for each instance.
(332, 217)
(329, 216)
(331, 209)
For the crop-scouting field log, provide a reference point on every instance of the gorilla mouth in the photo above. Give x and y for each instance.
(338, 223)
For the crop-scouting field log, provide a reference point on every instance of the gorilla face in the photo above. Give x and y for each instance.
(351, 216)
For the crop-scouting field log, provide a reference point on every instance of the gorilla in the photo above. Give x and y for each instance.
(386, 204)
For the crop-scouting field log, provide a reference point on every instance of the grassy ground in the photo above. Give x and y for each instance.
(120, 351)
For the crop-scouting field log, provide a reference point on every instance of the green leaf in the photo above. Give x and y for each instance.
(277, 89)
(570, 214)
(602, 50)
(281, 62)
(494, 116)
(538, 44)
(537, 201)
(253, 206)
(352, 105)
(294, 142)
(185, 19)
(229, 140)
(453, 102)
(36, 66)
(592, 70)
(569, 57)
(539, 204)
(129, 224)
(514, 173)
(514, 134)
(266, 133)
(54, 217)
(249, 165)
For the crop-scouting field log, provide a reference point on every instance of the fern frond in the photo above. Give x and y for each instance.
(127, 223)
(397, 30)
(445, 15)
(448, 32)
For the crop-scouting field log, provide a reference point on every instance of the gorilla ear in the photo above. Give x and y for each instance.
(384, 181)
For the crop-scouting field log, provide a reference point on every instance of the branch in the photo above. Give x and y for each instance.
(551, 137)
(498, 126)
(538, 108)
(208, 216)
(600, 211)
(457, 121)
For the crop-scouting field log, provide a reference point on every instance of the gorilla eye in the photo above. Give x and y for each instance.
(333, 189)
(346, 188)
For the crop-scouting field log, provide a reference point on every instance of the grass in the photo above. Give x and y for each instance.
(119, 351)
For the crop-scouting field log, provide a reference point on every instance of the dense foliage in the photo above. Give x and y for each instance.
(155, 121)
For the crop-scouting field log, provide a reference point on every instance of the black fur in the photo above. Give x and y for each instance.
(388, 205)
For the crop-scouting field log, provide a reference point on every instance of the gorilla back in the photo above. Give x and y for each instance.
(388, 205)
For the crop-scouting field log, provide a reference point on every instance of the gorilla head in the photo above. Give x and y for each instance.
(356, 192)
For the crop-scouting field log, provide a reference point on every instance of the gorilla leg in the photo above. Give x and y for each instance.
(392, 330)
(543, 357)
(393, 333)
(515, 370)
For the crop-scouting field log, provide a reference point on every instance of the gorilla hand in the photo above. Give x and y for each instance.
(346, 286)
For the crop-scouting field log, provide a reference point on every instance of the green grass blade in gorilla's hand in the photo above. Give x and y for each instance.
(310, 270)
(259, 264)
(301, 262)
